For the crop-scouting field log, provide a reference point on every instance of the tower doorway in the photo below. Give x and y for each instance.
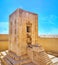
(28, 30)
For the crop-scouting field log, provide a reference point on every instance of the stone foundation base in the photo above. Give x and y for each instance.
(12, 59)
(35, 56)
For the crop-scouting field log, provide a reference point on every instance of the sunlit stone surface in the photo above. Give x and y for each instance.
(23, 41)
(53, 58)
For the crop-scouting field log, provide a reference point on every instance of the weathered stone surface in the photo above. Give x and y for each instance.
(23, 39)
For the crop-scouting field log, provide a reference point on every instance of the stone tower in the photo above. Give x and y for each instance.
(23, 31)
(23, 35)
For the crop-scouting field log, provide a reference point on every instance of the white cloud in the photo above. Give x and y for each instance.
(53, 31)
(4, 27)
(49, 19)
(48, 25)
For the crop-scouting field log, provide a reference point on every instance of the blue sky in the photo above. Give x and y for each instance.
(47, 11)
